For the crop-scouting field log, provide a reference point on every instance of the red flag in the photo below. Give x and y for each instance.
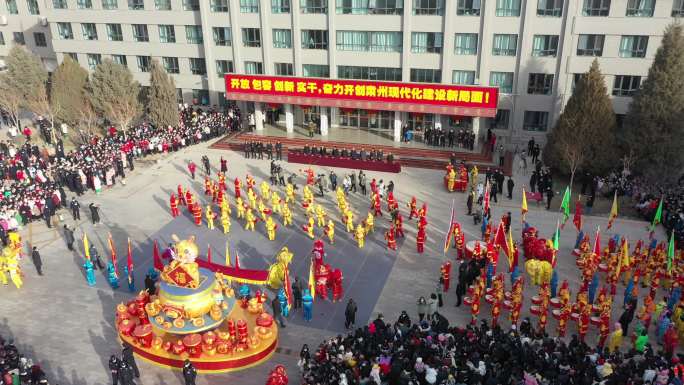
(209, 253)
(577, 219)
(597, 242)
(485, 199)
(449, 233)
(129, 262)
(113, 255)
(158, 264)
(500, 239)
(237, 261)
(288, 287)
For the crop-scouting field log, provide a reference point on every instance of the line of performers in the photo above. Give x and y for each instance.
(260, 207)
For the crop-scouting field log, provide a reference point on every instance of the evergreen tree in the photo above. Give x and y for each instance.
(654, 128)
(114, 94)
(68, 91)
(161, 99)
(584, 136)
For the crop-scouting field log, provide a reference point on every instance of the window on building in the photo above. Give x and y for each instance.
(463, 77)
(369, 73)
(536, 121)
(503, 80)
(2, 38)
(419, 121)
(280, 6)
(545, 45)
(249, 6)
(200, 97)
(640, 8)
(120, 59)
(369, 41)
(508, 8)
(316, 70)
(370, 7)
(140, 33)
(114, 32)
(314, 39)
(428, 7)
(468, 7)
(550, 8)
(576, 79)
(426, 75)
(284, 69)
(626, 85)
(162, 5)
(254, 68)
(179, 95)
(540, 84)
(596, 8)
(33, 7)
(505, 45)
(136, 5)
(224, 67)
(18, 38)
(423, 42)
(352, 117)
(84, 4)
(94, 59)
(64, 31)
(282, 38)
(144, 63)
(590, 45)
(12, 7)
(89, 31)
(500, 121)
(170, 64)
(198, 66)
(465, 44)
(633, 46)
(222, 101)
(251, 37)
(72, 55)
(167, 33)
(678, 8)
(109, 4)
(193, 34)
(313, 6)
(59, 4)
(39, 39)
(191, 5)
(218, 5)
(222, 36)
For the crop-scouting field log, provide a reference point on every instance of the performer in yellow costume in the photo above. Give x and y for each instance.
(271, 229)
(9, 261)
(287, 215)
(225, 222)
(251, 220)
(225, 207)
(265, 190)
(262, 209)
(289, 193)
(320, 215)
(209, 214)
(276, 202)
(251, 195)
(370, 223)
(349, 220)
(330, 231)
(310, 228)
(360, 235)
(240, 206)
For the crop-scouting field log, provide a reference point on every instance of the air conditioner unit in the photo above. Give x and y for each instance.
(44, 21)
(3, 19)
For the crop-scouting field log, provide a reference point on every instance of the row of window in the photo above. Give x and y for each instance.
(39, 39)
(554, 8)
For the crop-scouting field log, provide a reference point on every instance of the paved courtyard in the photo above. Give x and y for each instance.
(68, 326)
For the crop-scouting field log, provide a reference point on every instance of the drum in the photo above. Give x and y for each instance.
(468, 301)
(555, 302)
(595, 308)
(470, 247)
(489, 290)
(576, 252)
(508, 295)
(508, 305)
(536, 300)
(536, 310)
(603, 267)
(574, 316)
(596, 321)
(489, 298)
(556, 313)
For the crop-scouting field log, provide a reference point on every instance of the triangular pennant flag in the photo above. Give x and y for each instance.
(237, 260)
(500, 239)
(288, 287)
(112, 252)
(209, 253)
(129, 262)
(613, 211)
(485, 204)
(158, 264)
(597, 242)
(670, 252)
(565, 205)
(228, 253)
(511, 247)
(86, 246)
(556, 245)
(657, 218)
(312, 281)
(577, 219)
(523, 206)
(449, 233)
(624, 258)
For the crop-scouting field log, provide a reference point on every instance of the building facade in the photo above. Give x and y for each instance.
(533, 50)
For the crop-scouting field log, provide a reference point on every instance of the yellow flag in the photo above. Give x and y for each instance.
(312, 282)
(86, 247)
(227, 253)
(624, 258)
(511, 251)
(523, 208)
(613, 211)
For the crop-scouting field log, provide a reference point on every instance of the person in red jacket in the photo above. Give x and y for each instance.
(181, 196)
(238, 184)
(391, 241)
(192, 167)
(399, 225)
(173, 201)
(420, 240)
(337, 289)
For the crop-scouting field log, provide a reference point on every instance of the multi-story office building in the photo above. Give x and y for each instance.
(24, 22)
(533, 50)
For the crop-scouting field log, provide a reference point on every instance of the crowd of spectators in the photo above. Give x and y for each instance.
(34, 180)
(434, 352)
(353, 153)
(16, 369)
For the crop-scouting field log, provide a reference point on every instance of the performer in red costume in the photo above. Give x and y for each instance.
(399, 225)
(238, 185)
(181, 196)
(322, 277)
(377, 206)
(222, 181)
(173, 201)
(278, 376)
(189, 200)
(420, 240)
(197, 213)
(445, 270)
(413, 208)
(391, 241)
(391, 202)
(207, 186)
(337, 290)
(604, 327)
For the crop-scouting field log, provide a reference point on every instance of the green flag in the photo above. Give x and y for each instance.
(658, 215)
(556, 237)
(670, 253)
(565, 204)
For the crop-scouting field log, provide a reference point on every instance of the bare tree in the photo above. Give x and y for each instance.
(87, 120)
(10, 99)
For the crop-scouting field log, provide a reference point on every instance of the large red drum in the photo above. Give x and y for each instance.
(536, 310)
(596, 321)
(536, 300)
(508, 295)
(468, 301)
(508, 305)
(574, 316)
(489, 298)
(556, 313)
(555, 302)
(603, 267)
